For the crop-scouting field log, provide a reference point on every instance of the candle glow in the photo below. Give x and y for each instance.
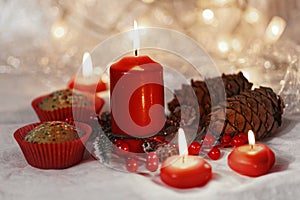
(87, 65)
(251, 138)
(183, 148)
(183, 170)
(136, 38)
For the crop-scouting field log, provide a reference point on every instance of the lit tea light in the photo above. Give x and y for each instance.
(251, 159)
(88, 80)
(185, 171)
(274, 29)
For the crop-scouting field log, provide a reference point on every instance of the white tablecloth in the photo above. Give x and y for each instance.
(91, 180)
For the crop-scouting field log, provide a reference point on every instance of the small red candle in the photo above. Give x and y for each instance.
(185, 171)
(252, 159)
(88, 81)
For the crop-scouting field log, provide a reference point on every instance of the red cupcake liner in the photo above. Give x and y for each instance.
(55, 155)
(82, 114)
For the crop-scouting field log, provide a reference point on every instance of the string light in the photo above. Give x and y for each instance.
(236, 45)
(58, 30)
(252, 15)
(223, 46)
(208, 15)
(275, 29)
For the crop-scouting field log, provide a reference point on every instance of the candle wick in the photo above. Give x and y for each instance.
(251, 146)
(183, 158)
(136, 52)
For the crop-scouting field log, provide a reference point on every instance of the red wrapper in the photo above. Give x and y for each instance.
(56, 155)
(82, 114)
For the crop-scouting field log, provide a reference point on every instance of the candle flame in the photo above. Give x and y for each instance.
(87, 65)
(251, 138)
(136, 38)
(183, 148)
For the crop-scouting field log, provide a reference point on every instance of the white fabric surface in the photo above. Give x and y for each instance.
(91, 180)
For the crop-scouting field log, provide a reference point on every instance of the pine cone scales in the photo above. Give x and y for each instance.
(234, 84)
(259, 110)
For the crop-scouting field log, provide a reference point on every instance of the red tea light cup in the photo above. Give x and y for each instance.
(185, 171)
(252, 159)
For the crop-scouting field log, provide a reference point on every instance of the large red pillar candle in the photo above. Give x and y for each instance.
(252, 159)
(137, 97)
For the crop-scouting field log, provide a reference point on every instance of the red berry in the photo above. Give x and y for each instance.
(244, 136)
(152, 156)
(122, 147)
(152, 162)
(208, 140)
(131, 165)
(194, 148)
(237, 141)
(118, 143)
(226, 139)
(214, 153)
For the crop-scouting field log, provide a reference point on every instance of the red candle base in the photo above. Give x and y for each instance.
(193, 171)
(251, 162)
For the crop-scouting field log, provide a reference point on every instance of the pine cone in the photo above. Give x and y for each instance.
(234, 84)
(259, 110)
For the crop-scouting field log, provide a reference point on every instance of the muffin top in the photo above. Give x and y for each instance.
(53, 132)
(62, 99)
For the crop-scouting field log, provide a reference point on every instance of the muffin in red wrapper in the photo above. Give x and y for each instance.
(65, 104)
(53, 145)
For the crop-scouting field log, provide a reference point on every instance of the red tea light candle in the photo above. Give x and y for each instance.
(136, 97)
(88, 81)
(185, 171)
(252, 159)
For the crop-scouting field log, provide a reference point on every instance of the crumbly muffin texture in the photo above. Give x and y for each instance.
(53, 132)
(63, 99)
